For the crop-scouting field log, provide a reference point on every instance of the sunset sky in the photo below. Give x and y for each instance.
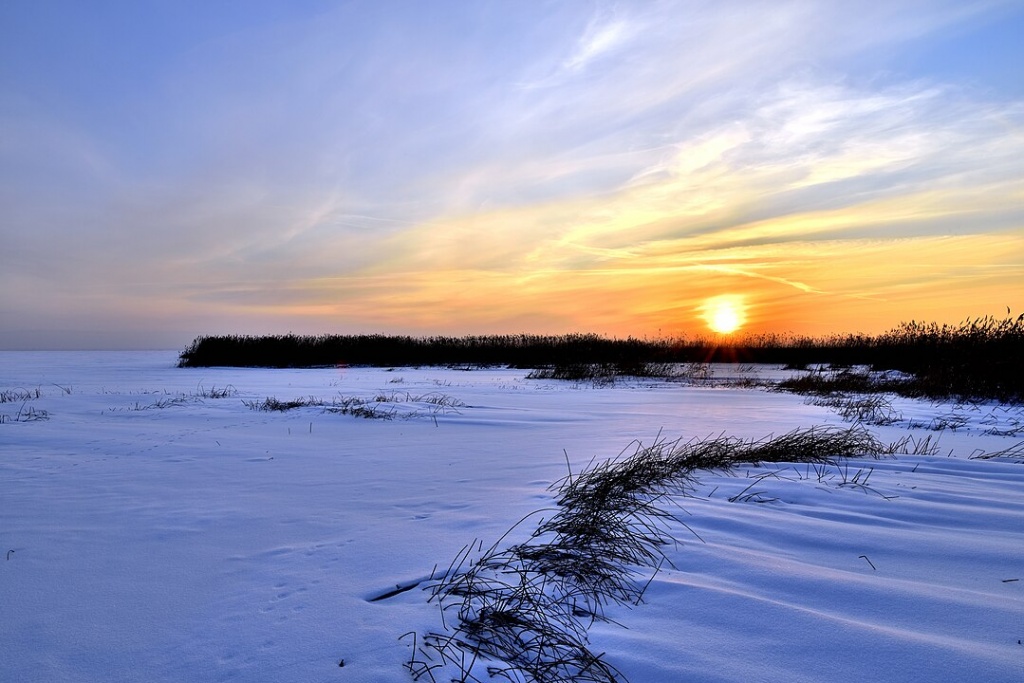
(172, 168)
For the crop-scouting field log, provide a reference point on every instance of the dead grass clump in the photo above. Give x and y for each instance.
(24, 414)
(873, 409)
(20, 395)
(442, 401)
(271, 404)
(358, 407)
(213, 392)
(601, 374)
(522, 612)
(166, 402)
(598, 373)
(821, 382)
(381, 407)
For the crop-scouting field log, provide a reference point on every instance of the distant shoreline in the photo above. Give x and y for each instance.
(979, 358)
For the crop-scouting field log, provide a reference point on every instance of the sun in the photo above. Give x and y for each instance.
(724, 314)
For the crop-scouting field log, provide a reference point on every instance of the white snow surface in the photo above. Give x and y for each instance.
(149, 533)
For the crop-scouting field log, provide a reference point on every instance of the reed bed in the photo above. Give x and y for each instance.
(979, 358)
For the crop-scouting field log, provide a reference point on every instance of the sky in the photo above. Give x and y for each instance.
(170, 169)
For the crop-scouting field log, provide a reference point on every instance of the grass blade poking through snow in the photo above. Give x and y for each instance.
(522, 612)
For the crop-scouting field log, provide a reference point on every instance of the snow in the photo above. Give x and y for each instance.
(151, 533)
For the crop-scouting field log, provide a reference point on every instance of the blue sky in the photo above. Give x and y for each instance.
(170, 169)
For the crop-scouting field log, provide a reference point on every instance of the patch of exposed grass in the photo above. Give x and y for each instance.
(607, 373)
(1014, 453)
(523, 612)
(271, 404)
(911, 445)
(20, 395)
(843, 381)
(597, 373)
(434, 399)
(24, 414)
(360, 407)
(873, 409)
(383, 406)
(162, 403)
(215, 392)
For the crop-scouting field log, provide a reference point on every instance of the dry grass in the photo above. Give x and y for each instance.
(522, 612)
(20, 395)
(383, 406)
(272, 404)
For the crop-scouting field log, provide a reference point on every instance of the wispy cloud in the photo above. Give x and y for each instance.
(602, 36)
(763, 198)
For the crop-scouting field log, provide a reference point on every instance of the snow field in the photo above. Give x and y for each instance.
(152, 533)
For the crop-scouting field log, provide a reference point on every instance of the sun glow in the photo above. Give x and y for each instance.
(725, 314)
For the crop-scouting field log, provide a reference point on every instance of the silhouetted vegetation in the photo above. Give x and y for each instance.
(979, 358)
(523, 350)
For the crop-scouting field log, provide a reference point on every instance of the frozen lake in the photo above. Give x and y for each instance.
(155, 531)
